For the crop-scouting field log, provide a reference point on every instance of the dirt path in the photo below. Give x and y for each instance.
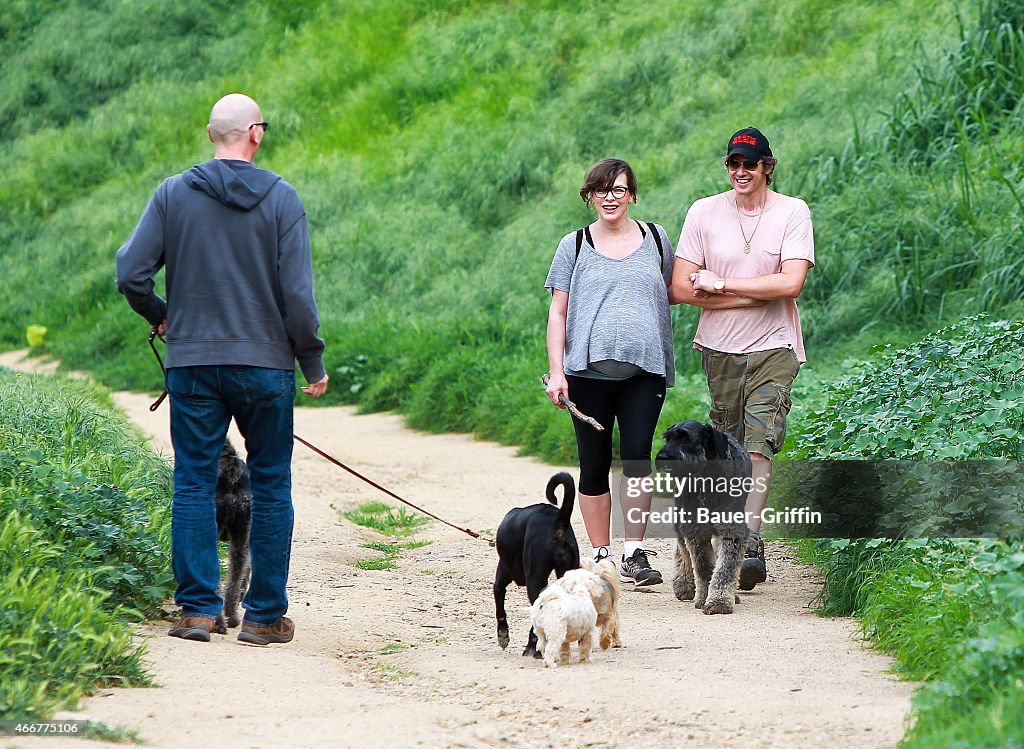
(408, 657)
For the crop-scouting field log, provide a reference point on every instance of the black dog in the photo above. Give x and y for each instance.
(713, 472)
(532, 543)
(234, 503)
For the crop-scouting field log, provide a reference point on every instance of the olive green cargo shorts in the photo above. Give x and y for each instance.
(750, 396)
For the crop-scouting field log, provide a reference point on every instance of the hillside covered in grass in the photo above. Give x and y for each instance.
(439, 147)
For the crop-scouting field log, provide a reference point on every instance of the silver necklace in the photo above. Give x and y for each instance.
(739, 219)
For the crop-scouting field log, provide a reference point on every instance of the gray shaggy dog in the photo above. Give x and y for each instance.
(709, 467)
(233, 499)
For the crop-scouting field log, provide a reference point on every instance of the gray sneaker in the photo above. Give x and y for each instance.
(637, 569)
(754, 570)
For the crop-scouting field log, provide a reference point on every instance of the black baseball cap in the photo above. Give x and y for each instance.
(749, 142)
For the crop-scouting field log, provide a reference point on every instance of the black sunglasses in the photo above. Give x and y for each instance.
(264, 125)
(732, 164)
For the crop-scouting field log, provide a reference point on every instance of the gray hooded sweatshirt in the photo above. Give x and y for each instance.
(239, 272)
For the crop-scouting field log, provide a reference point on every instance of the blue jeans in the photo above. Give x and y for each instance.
(203, 400)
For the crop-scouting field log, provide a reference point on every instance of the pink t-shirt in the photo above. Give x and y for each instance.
(712, 239)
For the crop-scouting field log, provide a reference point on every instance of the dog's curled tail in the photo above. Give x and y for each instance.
(568, 498)
(608, 571)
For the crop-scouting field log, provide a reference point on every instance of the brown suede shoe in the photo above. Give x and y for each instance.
(283, 630)
(196, 628)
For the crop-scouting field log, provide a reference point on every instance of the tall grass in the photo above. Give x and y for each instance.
(438, 147)
(54, 77)
(84, 539)
(930, 202)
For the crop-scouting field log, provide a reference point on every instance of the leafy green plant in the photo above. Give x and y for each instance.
(60, 636)
(85, 510)
(949, 610)
(956, 394)
(352, 377)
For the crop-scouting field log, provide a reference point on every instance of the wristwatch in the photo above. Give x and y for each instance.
(720, 284)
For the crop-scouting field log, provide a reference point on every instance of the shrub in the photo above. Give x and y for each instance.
(85, 508)
(59, 633)
(949, 610)
(956, 394)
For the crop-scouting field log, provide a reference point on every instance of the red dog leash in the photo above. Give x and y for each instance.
(390, 493)
(156, 404)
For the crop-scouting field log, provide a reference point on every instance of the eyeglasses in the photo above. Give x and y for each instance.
(264, 125)
(732, 164)
(618, 192)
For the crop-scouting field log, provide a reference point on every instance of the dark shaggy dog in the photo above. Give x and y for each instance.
(717, 466)
(234, 501)
(532, 543)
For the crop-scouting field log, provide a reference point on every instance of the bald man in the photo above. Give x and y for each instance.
(239, 313)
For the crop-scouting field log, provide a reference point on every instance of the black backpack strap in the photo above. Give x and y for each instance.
(657, 241)
(650, 225)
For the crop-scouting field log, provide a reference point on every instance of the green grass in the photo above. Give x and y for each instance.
(86, 523)
(390, 553)
(383, 671)
(938, 214)
(392, 548)
(103, 732)
(385, 519)
(950, 611)
(438, 148)
(377, 563)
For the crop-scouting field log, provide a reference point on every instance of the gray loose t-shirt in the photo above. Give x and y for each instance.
(618, 309)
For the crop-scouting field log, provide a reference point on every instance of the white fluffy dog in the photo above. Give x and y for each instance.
(568, 609)
(561, 617)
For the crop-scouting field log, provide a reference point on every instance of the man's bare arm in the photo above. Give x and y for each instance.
(682, 291)
(787, 284)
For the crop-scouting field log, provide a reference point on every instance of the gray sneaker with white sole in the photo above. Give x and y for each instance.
(638, 570)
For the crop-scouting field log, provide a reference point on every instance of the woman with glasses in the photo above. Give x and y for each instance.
(609, 341)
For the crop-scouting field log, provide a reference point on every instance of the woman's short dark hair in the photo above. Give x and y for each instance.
(603, 174)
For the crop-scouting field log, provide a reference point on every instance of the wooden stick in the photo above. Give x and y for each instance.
(572, 407)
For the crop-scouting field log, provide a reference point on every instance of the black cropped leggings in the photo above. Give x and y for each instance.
(636, 405)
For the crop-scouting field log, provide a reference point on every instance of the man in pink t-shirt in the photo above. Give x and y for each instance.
(742, 257)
